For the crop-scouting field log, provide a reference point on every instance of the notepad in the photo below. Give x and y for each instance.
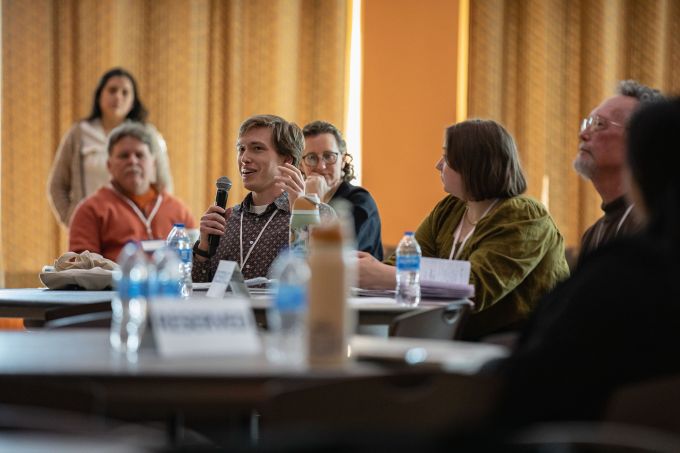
(445, 279)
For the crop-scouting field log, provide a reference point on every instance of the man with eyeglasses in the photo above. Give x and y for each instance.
(328, 170)
(601, 159)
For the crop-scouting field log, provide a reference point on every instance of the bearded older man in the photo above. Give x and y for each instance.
(601, 159)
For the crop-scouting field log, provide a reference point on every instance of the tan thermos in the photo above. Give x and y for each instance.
(328, 292)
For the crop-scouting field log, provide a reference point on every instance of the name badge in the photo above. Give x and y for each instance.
(221, 280)
(151, 246)
(201, 326)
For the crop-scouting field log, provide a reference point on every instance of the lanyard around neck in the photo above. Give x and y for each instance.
(240, 236)
(454, 254)
(145, 220)
(455, 251)
(600, 227)
(624, 217)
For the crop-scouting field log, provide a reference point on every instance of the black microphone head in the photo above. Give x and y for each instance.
(223, 183)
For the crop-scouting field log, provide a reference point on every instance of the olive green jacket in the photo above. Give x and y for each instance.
(516, 255)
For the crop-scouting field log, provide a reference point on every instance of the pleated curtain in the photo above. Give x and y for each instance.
(202, 67)
(540, 66)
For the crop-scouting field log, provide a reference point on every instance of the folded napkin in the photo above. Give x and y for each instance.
(85, 260)
(79, 270)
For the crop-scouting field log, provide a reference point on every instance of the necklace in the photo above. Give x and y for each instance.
(457, 248)
(467, 217)
(486, 211)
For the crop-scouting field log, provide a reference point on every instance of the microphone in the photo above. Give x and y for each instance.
(223, 185)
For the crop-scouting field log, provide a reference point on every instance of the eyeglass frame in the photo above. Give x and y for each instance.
(589, 123)
(323, 157)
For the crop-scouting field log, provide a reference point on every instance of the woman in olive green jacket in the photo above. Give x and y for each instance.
(515, 250)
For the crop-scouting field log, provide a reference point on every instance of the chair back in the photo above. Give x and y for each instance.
(406, 401)
(441, 323)
(652, 403)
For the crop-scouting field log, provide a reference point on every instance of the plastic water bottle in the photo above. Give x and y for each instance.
(169, 278)
(408, 270)
(178, 240)
(286, 318)
(130, 302)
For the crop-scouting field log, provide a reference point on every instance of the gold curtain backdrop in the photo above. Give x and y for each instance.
(202, 67)
(540, 66)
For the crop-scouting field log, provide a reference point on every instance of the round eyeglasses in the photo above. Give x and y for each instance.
(312, 159)
(597, 123)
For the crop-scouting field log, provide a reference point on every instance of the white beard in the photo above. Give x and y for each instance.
(584, 167)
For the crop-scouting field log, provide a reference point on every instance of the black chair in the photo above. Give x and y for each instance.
(639, 417)
(592, 436)
(28, 428)
(653, 403)
(408, 401)
(441, 323)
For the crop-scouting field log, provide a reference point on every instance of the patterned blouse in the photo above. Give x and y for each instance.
(264, 236)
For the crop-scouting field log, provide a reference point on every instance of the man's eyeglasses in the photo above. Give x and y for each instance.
(597, 123)
(312, 159)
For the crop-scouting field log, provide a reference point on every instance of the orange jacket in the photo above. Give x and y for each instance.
(104, 222)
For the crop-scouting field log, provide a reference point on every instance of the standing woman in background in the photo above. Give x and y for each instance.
(79, 168)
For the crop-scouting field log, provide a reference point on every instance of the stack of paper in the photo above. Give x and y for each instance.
(373, 292)
(445, 279)
(446, 290)
(439, 279)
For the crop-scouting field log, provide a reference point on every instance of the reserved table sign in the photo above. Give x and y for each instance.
(201, 326)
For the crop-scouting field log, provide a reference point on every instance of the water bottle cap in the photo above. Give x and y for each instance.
(179, 225)
(408, 233)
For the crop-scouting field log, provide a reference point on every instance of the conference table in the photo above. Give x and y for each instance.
(41, 304)
(76, 370)
(38, 305)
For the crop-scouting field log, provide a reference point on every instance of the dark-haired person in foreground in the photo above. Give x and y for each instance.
(515, 250)
(328, 170)
(80, 166)
(616, 321)
(253, 232)
(601, 159)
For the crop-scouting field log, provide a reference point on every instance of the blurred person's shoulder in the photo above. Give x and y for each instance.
(635, 266)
